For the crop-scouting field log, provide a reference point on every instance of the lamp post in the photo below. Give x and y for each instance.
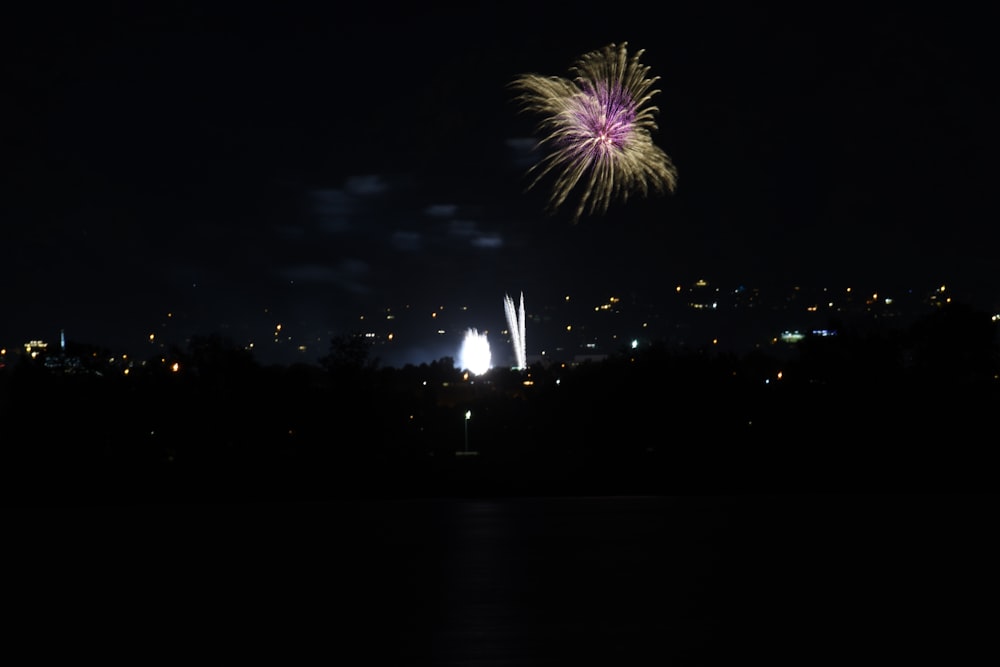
(465, 452)
(468, 415)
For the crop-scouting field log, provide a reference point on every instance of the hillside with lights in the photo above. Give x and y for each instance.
(911, 408)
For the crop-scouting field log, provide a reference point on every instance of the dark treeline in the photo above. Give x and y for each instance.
(913, 408)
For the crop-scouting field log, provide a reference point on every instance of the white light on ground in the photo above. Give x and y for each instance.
(475, 355)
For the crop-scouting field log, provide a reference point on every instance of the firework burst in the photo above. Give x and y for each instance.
(598, 129)
(475, 355)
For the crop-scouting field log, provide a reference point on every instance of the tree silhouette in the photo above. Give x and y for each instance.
(349, 353)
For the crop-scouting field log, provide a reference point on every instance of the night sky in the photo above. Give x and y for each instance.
(240, 167)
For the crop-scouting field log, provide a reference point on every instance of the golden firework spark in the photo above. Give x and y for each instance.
(598, 129)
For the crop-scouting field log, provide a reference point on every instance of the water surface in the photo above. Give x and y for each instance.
(511, 581)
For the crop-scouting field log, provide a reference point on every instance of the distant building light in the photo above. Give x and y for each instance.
(33, 347)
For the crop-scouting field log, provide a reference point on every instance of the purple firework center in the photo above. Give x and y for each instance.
(599, 129)
(603, 119)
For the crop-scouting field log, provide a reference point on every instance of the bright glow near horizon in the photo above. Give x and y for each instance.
(475, 355)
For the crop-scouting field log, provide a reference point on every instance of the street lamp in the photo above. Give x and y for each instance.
(466, 452)
(468, 415)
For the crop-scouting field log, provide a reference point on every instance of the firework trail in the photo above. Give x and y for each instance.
(598, 129)
(515, 322)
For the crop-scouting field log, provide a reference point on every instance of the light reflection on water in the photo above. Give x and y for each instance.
(566, 580)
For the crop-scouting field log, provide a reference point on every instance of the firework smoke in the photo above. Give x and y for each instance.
(598, 129)
(515, 322)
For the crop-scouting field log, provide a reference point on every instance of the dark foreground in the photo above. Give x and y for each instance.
(609, 580)
(783, 461)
